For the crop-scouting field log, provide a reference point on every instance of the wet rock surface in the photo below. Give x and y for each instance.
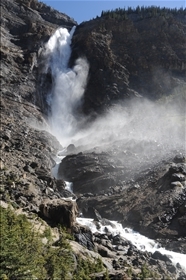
(123, 259)
(148, 203)
(149, 195)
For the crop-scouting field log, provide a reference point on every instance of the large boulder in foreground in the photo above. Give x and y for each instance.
(60, 211)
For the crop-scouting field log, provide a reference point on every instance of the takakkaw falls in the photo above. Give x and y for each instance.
(93, 148)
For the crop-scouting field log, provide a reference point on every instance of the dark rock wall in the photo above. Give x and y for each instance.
(131, 56)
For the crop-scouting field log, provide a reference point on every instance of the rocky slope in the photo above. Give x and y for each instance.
(125, 60)
(26, 152)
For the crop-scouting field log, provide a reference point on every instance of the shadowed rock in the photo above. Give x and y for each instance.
(60, 212)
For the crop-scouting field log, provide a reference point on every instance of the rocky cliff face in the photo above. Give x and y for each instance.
(130, 58)
(26, 152)
(25, 28)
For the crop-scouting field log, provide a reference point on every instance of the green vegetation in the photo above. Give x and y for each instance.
(23, 255)
(84, 269)
(141, 12)
(146, 274)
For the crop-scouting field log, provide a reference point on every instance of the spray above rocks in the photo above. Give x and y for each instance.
(138, 119)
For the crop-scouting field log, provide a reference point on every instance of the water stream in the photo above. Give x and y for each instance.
(141, 242)
(69, 85)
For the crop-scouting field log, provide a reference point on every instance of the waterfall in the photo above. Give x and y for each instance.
(68, 85)
(68, 89)
(141, 119)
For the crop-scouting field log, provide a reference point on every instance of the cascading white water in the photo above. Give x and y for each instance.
(58, 159)
(142, 120)
(141, 242)
(68, 89)
(68, 84)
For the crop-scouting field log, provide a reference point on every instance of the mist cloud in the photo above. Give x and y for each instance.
(138, 119)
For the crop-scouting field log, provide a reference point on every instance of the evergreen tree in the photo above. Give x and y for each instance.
(24, 256)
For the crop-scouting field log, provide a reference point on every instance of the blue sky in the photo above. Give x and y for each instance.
(88, 9)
